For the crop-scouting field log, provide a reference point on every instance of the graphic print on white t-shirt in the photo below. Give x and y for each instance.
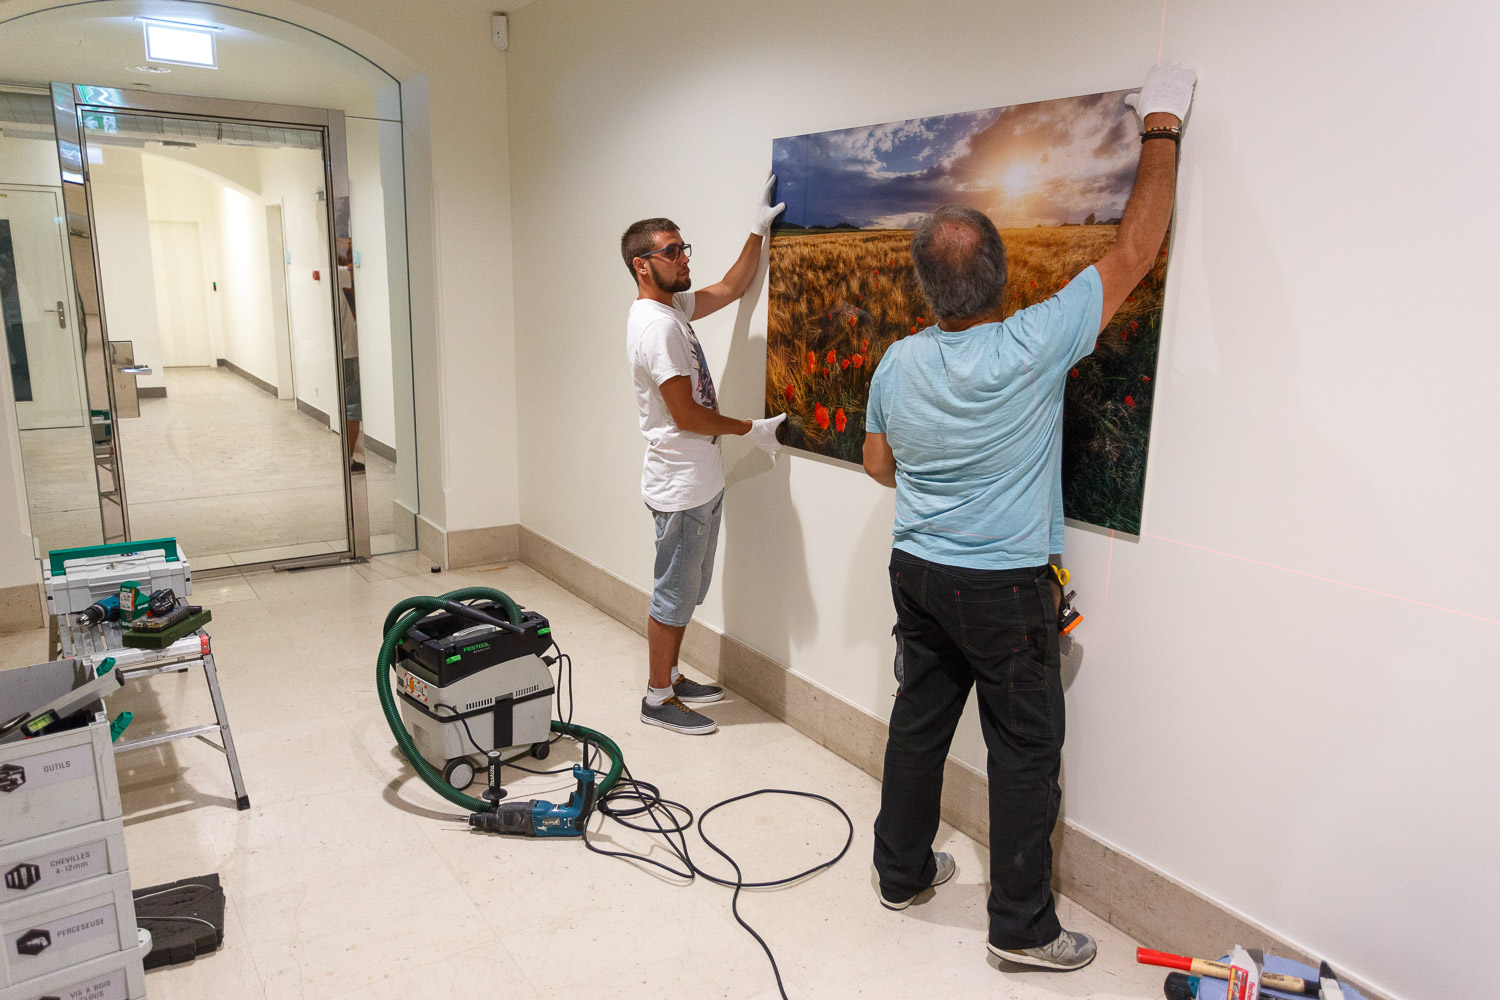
(703, 385)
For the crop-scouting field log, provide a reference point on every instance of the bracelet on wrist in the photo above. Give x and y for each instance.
(1162, 133)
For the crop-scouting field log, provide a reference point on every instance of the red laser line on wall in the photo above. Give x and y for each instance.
(1163, 36)
(1315, 576)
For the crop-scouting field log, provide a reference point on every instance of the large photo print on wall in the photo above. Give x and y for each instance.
(1054, 177)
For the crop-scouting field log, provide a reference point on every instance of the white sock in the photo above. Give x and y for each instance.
(676, 675)
(656, 697)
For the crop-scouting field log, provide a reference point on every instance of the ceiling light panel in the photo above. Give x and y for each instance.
(182, 44)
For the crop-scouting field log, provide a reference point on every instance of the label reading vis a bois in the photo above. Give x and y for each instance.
(110, 986)
(48, 871)
(64, 932)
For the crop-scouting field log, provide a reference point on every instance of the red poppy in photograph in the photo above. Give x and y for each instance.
(853, 321)
(1145, 378)
(865, 346)
(859, 360)
(791, 392)
(820, 414)
(833, 356)
(877, 272)
(1134, 326)
(839, 420)
(1073, 373)
(1129, 400)
(846, 364)
(826, 369)
(812, 362)
(913, 330)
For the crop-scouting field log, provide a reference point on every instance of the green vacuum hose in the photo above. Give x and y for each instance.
(402, 617)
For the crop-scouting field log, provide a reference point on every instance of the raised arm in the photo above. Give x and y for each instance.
(737, 279)
(1162, 103)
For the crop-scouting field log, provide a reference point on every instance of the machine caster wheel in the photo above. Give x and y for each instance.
(459, 773)
(541, 750)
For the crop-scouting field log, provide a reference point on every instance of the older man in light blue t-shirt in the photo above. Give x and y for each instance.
(965, 420)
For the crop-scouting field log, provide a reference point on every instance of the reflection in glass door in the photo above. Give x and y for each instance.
(45, 375)
(246, 444)
(42, 347)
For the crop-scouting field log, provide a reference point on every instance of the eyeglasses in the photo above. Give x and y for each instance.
(671, 251)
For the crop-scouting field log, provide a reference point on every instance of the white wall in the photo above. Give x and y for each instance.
(123, 245)
(1311, 613)
(294, 177)
(372, 294)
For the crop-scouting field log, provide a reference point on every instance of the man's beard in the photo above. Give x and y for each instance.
(672, 288)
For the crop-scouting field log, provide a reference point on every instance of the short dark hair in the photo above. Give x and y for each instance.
(639, 237)
(960, 262)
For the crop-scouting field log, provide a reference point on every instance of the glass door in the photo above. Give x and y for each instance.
(226, 352)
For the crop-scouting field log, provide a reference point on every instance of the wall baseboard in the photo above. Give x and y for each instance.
(1130, 894)
(315, 413)
(22, 608)
(380, 448)
(254, 380)
(467, 547)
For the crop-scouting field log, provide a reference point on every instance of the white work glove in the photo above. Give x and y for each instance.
(1168, 88)
(765, 212)
(763, 433)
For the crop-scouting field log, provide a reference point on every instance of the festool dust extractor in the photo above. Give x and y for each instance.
(475, 692)
(475, 689)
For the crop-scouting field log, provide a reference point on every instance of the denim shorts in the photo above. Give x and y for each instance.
(685, 544)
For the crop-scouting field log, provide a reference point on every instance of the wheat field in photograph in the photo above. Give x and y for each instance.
(839, 298)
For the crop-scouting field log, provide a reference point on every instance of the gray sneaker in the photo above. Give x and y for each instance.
(946, 869)
(674, 715)
(693, 693)
(1070, 950)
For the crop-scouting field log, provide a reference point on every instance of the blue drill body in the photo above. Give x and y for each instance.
(539, 818)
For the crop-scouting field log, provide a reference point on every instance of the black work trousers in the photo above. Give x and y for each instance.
(995, 630)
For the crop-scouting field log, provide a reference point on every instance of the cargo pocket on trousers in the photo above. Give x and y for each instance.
(1030, 697)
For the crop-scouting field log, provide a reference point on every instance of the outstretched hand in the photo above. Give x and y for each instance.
(765, 212)
(1168, 88)
(763, 433)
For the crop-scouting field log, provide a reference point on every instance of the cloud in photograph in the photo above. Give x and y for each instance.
(1045, 164)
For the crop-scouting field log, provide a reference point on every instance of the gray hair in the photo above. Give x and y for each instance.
(960, 261)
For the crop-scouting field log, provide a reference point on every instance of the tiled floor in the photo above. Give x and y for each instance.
(227, 469)
(348, 878)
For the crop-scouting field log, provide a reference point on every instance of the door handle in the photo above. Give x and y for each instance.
(62, 317)
(136, 370)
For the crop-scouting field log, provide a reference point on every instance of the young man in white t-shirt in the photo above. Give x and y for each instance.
(682, 480)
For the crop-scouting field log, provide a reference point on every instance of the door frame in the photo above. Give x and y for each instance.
(71, 103)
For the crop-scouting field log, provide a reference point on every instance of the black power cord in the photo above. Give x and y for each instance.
(631, 798)
(647, 800)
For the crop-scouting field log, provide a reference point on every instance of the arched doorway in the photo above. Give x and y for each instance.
(206, 234)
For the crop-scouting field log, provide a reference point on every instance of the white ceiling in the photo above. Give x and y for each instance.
(260, 58)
